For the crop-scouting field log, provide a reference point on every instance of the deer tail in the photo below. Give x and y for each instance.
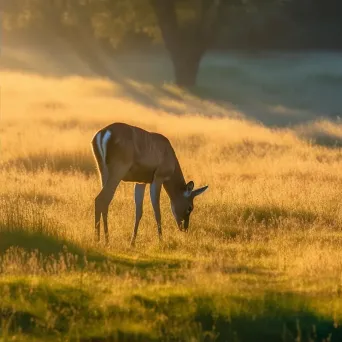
(99, 145)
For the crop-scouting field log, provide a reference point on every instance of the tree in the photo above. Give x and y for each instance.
(188, 28)
(187, 44)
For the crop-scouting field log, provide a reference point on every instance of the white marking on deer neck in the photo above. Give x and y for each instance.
(104, 145)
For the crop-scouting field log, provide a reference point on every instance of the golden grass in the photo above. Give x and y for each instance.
(270, 220)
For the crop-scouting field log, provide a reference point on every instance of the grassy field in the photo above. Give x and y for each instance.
(262, 260)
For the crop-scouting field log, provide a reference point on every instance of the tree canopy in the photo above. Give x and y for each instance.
(186, 27)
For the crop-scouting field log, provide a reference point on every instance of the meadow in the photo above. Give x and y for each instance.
(262, 260)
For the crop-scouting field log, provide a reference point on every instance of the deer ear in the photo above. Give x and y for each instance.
(199, 191)
(190, 186)
(188, 189)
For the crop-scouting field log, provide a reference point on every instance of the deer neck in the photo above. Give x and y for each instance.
(176, 184)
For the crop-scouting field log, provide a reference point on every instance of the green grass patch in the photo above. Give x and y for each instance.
(85, 312)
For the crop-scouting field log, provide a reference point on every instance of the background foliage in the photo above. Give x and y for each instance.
(242, 23)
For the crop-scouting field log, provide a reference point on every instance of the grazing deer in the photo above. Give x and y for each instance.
(131, 154)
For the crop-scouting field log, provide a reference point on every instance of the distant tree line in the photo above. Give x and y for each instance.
(187, 28)
(296, 24)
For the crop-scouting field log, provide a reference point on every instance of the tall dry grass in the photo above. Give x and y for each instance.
(270, 220)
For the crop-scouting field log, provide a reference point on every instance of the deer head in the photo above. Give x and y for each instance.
(182, 206)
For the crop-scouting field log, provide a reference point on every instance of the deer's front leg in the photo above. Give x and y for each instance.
(139, 192)
(155, 189)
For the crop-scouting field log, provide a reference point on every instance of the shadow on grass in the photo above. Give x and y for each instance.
(19, 246)
(57, 162)
(66, 299)
(277, 317)
(247, 149)
(124, 336)
(238, 221)
(318, 134)
(48, 309)
(326, 140)
(17, 320)
(273, 215)
(83, 56)
(278, 91)
(284, 317)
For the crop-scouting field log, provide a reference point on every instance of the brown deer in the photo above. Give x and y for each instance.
(131, 154)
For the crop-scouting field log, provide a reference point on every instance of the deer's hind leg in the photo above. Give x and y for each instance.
(103, 199)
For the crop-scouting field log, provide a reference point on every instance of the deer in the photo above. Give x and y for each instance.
(131, 154)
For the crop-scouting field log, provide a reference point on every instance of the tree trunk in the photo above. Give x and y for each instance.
(186, 68)
(186, 47)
